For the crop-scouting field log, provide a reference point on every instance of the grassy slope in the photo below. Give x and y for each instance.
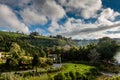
(77, 67)
(30, 44)
(68, 67)
(38, 40)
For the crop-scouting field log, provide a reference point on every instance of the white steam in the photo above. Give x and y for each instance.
(117, 57)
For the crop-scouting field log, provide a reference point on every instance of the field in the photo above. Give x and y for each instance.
(77, 67)
(67, 68)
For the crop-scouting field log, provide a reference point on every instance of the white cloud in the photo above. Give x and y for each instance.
(50, 9)
(107, 16)
(15, 3)
(78, 29)
(54, 27)
(41, 10)
(40, 31)
(85, 8)
(31, 17)
(9, 20)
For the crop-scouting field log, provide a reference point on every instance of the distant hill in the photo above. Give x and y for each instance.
(31, 44)
(86, 42)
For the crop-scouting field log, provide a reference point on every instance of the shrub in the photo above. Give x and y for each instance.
(72, 75)
(49, 61)
(50, 77)
(67, 76)
(79, 76)
(59, 76)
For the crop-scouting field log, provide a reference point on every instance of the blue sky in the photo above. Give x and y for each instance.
(79, 19)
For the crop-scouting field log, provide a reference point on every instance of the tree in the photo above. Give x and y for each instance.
(107, 48)
(42, 53)
(35, 61)
(11, 63)
(16, 51)
(94, 56)
(34, 34)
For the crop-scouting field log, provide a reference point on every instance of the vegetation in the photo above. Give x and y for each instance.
(26, 52)
(33, 43)
(103, 51)
(68, 72)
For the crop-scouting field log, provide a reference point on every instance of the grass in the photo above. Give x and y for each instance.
(77, 67)
(67, 68)
(1, 62)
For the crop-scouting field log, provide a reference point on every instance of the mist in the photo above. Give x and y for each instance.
(117, 57)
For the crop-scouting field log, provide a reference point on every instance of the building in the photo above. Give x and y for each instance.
(56, 58)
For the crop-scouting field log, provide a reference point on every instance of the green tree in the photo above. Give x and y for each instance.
(35, 62)
(11, 63)
(42, 53)
(94, 56)
(34, 34)
(107, 48)
(16, 50)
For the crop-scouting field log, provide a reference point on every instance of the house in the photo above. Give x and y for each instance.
(56, 58)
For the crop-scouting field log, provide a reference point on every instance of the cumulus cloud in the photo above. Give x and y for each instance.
(16, 3)
(34, 12)
(84, 8)
(32, 17)
(9, 20)
(79, 29)
(42, 10)
(49, 8)
(107, 16)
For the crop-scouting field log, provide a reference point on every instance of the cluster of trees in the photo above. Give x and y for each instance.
(61, 37)
(20, 63)
(104, 50)
(29, 44)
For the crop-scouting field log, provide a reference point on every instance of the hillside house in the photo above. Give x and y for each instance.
(56, 58)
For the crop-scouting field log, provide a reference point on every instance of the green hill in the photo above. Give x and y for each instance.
(31, 44)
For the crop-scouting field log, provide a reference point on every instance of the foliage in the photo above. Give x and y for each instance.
(35, 61)
(107, 48)
(60, 76)
(34, 34)
(49, 61)
(11, 63)
(94, 56)
(104, 50)
(72, 75)
(42, 53)
(27, 45)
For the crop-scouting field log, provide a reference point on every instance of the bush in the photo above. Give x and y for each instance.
(49, 61)
(72, 75)
(50, 77)
(79, 76)
(94, 71)
(43, 65)
(60, 76)
(67, 76)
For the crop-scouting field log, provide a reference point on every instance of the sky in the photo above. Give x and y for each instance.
(79, 19)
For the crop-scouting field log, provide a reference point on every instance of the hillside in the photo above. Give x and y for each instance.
(31, 44)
